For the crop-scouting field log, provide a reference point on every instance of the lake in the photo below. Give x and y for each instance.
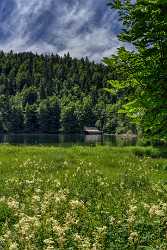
(66, 139)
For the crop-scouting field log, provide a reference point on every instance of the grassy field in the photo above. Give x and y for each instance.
(88, 198)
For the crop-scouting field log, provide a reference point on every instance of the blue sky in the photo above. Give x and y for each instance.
(82, 27)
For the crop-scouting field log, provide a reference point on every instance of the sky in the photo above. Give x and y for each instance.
(81, 27)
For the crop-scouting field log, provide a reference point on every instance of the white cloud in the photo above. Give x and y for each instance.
(73, 26)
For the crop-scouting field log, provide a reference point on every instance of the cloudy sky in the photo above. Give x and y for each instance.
(82, 27)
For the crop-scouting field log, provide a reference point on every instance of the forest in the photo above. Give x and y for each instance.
(50, 94)
(125, 93)
(97, 197)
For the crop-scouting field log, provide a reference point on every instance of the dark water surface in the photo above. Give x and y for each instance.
(66, 139)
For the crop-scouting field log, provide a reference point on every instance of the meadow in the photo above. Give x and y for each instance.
(87, 198)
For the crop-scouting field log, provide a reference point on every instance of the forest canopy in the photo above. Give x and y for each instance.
(49, 93)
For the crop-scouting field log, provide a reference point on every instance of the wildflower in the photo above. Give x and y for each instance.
(36, 198)
(131, 213)
(13, 246)
(65, 163)
(132, 208)
(49, 241)
(57, 182)
(50, 248)
(7, 235)
(29, 181)
(76, 204)
(156, 211)
(38, 190)
(146, 206)
(2, 199)
(12, 203)
(26, 224)
(131, 219)
(82, 243)
(164, 206)
(102, 229)
(58, 229)
(100, 233)
(133, 237)
(77, 237)
(86, 244)
(70, 220)
(112, 220)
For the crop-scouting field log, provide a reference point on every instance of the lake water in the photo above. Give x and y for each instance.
(66, 139)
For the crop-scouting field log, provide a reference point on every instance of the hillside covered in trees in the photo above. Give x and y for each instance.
(49, 93)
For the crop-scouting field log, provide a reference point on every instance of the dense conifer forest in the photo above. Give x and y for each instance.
(49, 93)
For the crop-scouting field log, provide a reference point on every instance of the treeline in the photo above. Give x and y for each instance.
(49, 93)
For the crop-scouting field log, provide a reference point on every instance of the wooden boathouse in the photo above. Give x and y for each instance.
(92, 131)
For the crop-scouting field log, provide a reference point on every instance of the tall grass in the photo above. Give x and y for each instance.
(82, 198)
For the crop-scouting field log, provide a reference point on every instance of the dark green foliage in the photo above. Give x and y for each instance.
(29, 96)
(49, 93)
(15, 122)
(54, 114)
(69, 119)
(1, 126)
(31, 118)
(43, 116)
(141, 84)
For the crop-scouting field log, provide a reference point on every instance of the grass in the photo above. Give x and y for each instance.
(88, 198)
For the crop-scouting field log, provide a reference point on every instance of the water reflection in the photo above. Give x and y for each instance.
(67, 139)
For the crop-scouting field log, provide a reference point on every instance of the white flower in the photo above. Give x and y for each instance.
(49, 241)
(29, 181)
(13, 204)
(101, 229)
(76, 204)
(70, 219)
(133, 237)
(131, 219)
(77, 237)
(38, 190)
(2, 199)
(133, 208)
(13, 246)
(36, 198)
(146, 206)
(58, 229)
(50, 248)
(57, 182)
(155, 210)
(112, 219)
(65, 163)
(7, 235)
